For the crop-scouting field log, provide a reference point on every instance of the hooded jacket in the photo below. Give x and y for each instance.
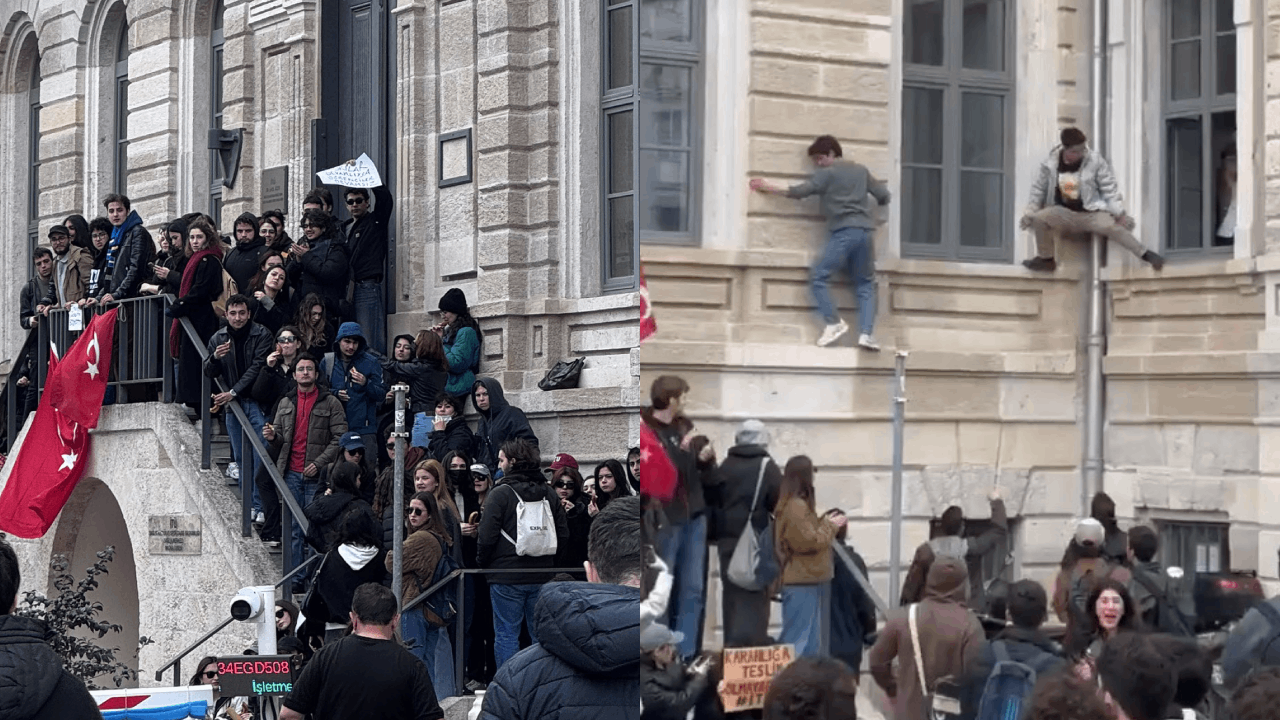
(689, 501)
(735, 479)
(327, 513)
(1028, 646)
(136, 250)
(853, 612)
(1099, 191)
(242, 261)
(585, 665)
(950, 636)
(343, 569)
(322, 270)
(362, 400)
(33, 683)
(972, 549)
(455, 437)
(499, 515)
(500, 423)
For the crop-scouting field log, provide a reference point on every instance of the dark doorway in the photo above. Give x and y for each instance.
(357, 87)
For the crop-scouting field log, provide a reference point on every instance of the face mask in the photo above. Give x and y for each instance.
(459, 476)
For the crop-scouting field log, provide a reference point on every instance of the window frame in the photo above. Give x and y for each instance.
(120, 121)
(1004, 552)
(1203, 109)
(612, 102)
(34, 106)
(954, 80)
(1170, 529)
(691, 56)
(217, 41)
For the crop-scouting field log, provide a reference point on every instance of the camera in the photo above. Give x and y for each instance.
(255, 605)
(246, 605)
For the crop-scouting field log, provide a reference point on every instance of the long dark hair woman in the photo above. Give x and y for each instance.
(271, 305)
(173, 252)
(314, 325)
(1109, 610)
(462, 341)
(426, 545)
(611, 483)
(804, 543)
(207, 674)
(568, 486)
(79, 229)
(201, 285)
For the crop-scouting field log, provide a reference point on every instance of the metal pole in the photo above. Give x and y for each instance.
(895, 527)
(397, 493)
(1092, 467)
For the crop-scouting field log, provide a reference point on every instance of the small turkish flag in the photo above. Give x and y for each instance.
(77, 388)
(648, 326)
(45, 470)
(658, 477)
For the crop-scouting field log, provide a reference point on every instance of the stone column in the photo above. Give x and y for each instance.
(154, 55)
(416, 116)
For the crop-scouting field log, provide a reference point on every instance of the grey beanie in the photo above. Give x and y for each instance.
(752, 432)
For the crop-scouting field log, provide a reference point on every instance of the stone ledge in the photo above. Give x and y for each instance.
(1249, 363)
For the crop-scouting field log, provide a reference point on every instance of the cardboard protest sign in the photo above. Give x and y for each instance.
(360, 175)
(748, 672)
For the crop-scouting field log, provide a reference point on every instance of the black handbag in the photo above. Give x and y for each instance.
(563, 376)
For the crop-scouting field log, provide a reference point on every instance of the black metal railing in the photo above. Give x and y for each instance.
(176, 662)
(460, 620)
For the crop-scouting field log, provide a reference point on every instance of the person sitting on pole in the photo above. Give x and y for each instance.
(1075, 191)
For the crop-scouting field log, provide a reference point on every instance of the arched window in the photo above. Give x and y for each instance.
(215, 108)
(121, 170)
(33, 156)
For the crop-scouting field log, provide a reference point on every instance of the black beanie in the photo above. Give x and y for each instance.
(454, 301)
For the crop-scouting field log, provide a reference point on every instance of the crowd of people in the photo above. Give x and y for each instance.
(293, 331)
(1124, 647)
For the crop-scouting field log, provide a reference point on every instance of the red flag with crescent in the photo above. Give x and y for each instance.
(658, 477)
(648, 326)
(77, 388)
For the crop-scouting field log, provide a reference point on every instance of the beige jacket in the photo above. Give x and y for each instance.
(804, 543)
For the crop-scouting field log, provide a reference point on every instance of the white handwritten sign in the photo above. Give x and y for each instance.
(362, 174)
(748, 673)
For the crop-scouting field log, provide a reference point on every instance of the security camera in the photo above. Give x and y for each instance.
(246, 605)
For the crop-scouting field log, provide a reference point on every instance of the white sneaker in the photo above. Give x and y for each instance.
(866, 342)
(233, 471)
(259, 518)
(832, 333)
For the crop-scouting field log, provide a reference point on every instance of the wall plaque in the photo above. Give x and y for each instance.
(275, 189)
(175, 534)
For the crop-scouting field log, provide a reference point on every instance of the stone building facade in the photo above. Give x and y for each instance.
(483, 117)
(957, 104)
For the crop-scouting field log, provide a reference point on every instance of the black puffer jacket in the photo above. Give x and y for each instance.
(500, 423)
(499, 516)
(425, 380)
(241, 262)
(33, 683)
(455, 437)
(585, 665)
(669, 693)
(322, 270)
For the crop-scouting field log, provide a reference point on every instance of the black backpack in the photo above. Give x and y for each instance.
(1169, 618)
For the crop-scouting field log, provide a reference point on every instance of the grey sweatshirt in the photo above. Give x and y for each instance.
(843, 189)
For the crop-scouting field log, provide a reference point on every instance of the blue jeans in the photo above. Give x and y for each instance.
(248, 463)
(806, 618)
(304, 491)
(849, 249)
(511, 604)
(684, 550)
(371, 313)
(430, 645)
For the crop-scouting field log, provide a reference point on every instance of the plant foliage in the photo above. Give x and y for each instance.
(73, 623)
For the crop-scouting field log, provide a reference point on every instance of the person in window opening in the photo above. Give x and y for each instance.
(366, 238)
(462, 341)
(279, 240)
(71, 267)
(845, 189)
(1228, 176)
(952, 541)
(1075, 191)
(129, 253)
(633, 469)
(319, 199)
(242, 262)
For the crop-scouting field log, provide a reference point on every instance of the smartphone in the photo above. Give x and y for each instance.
(442, 418)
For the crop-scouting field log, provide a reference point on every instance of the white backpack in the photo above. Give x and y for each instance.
(535, 528)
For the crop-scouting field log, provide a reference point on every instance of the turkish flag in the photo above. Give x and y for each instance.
(76, 389)
(648, 326)
(658, 477)
(45, 469)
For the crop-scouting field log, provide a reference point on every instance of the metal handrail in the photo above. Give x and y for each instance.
(176, 662)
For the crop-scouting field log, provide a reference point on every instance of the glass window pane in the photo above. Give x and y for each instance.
(981, 209)
(666, 20)
(1186, 184)
(984, 34)
(619, 43)
(1225, 64)
(1225, 12)
(923, 32)
(622, 149)
(1225, 173)
(1184, 19)
(922, 126)
(665, 92)
(1184, 70)
(665, 190)
(622, 233)
(922, 193)
(982, 131)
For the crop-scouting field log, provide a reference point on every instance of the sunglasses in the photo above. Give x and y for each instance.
(391, 446)
(354, 201)
(565, 485)
(210, 674)
(279, 614)
(286, 339)
(416, 511)
(357, 451)
(306, 225)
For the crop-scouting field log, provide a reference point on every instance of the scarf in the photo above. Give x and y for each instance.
(188, 279)
(113, 246)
